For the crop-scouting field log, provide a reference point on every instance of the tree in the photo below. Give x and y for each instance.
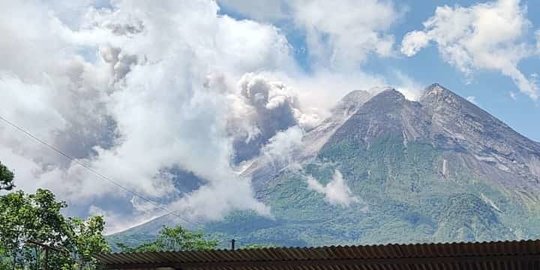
(171, 239)
(31, 223)
(259, 246)
(88, 239)
(6, 178)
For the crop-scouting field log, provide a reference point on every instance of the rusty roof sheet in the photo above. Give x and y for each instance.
(485, 255)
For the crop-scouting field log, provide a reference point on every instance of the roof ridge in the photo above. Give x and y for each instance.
(345, 246)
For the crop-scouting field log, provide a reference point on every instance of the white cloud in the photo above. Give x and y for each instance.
(248, 46)
(413, 42)
(341, 34)
(324, 88)
(216, 199)
(410, 88)
(136, 88)
(483, 36)
(69, 12)
(131, 91)
(35, 104)
(117, 222)
(282, 147)
(336, 192)
(472, 99)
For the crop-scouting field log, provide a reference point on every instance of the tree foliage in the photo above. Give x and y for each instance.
(28, 222)
(6, 178)
(259, 246)
(172, 239)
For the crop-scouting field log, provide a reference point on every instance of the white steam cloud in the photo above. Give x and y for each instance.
(130, 94)
(136, 90)
(336, 192)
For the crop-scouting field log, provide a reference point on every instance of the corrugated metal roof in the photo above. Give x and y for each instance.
(485, 255)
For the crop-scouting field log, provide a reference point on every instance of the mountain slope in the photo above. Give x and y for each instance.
(437, 169)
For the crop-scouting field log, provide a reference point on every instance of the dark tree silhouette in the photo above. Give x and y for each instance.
(6, 178)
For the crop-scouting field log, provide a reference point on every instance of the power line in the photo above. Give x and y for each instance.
(103, 177)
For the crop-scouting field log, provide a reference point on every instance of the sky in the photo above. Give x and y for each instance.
(138, 91)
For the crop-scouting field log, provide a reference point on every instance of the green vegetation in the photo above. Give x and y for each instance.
(258, 246)
(403, 197)
(6, 178)
(32, 223)
(172, 239)
(35, 235)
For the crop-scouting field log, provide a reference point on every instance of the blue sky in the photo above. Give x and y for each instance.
(489, 88)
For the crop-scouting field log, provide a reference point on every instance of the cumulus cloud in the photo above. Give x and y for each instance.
(341, 34)
(336, 192)
(43, 82)
(339, 37)
(483, 36)
(134, 90)
(131, 90)
(413, 42)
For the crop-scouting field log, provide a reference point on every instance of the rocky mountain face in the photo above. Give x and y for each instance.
(384, 169)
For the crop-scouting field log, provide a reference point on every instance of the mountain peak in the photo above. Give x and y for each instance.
(440, 169)
(436, 89)
(436, 95)
(352, 101)
(389, 94)
(356, 96)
